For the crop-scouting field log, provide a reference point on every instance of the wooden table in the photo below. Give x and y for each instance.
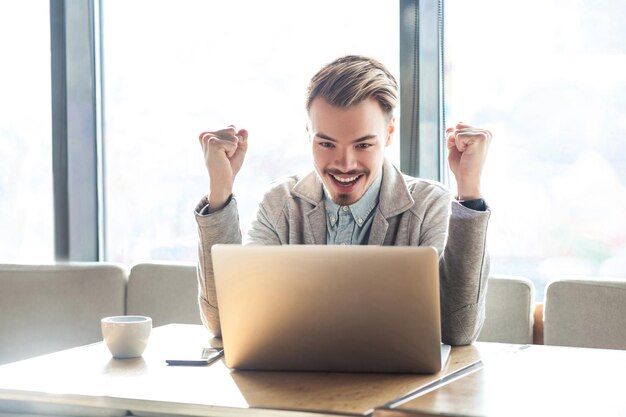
(531, 381)
(88, 381)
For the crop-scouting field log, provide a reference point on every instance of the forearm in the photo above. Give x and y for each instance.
(464, 270)
(218, 227)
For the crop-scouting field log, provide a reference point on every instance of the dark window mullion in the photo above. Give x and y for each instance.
(421, 117)
(74, 130)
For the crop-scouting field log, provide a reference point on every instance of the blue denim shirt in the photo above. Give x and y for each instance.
(350, 225)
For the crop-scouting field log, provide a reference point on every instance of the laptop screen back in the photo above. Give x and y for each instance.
(329, 308)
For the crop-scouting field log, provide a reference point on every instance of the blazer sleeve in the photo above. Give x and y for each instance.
(219, 227)
(464, 271)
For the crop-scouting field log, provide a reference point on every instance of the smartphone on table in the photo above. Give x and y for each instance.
(207, 356)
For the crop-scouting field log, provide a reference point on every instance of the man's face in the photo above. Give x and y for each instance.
(348, 146)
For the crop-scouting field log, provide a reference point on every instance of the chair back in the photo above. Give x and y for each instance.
(167, 292)
(586, 313)
(508, 310)
(46, 308)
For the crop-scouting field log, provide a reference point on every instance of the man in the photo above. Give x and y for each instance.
(355, 196)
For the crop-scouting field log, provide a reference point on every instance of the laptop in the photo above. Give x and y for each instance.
(330, 308)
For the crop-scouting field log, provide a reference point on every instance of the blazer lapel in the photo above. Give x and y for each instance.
(394, 198)
(379, 229)
(309, 189)
(315, 225)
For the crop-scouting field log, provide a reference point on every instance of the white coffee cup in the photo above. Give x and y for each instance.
(126, 336)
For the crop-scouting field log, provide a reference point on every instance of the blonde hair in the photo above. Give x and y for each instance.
(349, 80)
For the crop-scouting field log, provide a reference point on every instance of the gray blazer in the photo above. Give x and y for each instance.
(411, 211)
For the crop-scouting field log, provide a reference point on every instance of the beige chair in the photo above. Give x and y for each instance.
(45, 308)
(509, 310)
(167, 292)
(586, 313)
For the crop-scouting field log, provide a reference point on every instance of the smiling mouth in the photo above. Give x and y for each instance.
(345, 181)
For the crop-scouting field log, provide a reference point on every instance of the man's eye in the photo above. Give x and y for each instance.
(363, 145)
(326, 144)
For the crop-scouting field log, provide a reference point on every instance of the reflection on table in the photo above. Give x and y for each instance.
(88, 381)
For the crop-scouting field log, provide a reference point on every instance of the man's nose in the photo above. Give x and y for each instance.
(346, 159)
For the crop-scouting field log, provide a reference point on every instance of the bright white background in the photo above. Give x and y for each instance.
(26, 205)
(174, 69)
(548, 77)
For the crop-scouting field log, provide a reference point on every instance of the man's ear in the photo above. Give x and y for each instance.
(308, 128)
(391, 127)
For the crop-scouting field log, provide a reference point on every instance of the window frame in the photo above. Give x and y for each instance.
(78, 151)
(421, 89)
(75, 148)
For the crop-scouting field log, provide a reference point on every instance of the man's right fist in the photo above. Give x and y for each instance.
(224, 151)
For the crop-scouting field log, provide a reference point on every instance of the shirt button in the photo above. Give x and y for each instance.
(332, 219)
(359, 221)
(344, 208)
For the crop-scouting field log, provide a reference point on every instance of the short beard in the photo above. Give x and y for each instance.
(343, 199)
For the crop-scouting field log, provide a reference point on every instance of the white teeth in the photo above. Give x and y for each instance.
(345, 180)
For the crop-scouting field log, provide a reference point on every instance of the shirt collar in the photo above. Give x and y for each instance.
(359, 210)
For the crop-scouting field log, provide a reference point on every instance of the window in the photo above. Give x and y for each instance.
(197, 65)
(548, 77)
(26, 204)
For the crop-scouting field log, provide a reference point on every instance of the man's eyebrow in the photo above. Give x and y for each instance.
(361, 139)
